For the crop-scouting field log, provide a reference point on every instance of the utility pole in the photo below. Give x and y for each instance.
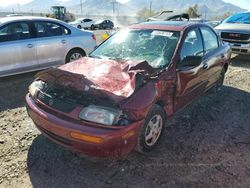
(150, 9)
(113, 3)
(81, 7)
(18, 4)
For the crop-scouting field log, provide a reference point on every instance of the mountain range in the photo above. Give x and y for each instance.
(105, 7)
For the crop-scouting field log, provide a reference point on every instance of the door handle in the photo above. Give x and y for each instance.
(30, 45)
(64, 41)
(205, 66)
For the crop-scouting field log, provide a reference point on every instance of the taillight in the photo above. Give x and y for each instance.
(93, 37)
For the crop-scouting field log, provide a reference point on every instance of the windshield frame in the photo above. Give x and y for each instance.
(171, 55)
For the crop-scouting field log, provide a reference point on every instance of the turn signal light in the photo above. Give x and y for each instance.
(86, 138)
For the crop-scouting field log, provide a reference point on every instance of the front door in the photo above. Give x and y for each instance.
(191, 80)
(17, 48)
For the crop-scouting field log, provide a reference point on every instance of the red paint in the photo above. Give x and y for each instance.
(173, 89)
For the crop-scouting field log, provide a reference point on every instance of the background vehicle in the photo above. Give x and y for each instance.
(33, 43)
(123, 93)
(83, 23)
(60, 13)
(236, 31)
(170, 15)
(104, 24)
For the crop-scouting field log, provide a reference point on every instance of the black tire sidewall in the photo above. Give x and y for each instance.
(71, 52)
(141, 145)
(79, 27)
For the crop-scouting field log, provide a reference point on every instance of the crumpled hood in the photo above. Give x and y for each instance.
(109, 77)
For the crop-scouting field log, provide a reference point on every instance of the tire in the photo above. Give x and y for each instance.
(79, 27)
(92, 27)
(152, 129)
(74, 55)
(220, 82)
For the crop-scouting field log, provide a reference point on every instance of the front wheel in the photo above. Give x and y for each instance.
(152, 129)
(79, 27)
(74, 54)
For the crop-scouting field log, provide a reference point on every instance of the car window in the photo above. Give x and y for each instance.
(210, 39)
(15, 31)
(154, 46)
(192, 45)
(49, 29)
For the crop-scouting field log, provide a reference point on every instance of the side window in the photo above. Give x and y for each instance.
(50, 29)
(210, 39)
(15, 31)
(192, 45)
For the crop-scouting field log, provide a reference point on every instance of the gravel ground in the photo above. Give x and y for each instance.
(206, 145)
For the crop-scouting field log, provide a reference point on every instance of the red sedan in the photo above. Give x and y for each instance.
(118, 99)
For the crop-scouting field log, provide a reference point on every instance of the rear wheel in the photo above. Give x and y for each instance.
(92, 27)
(221, 80)
(74, 54)
(152, 129)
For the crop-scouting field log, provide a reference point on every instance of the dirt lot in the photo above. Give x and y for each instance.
(207, 145)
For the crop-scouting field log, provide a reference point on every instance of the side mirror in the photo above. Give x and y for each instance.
(191, 61)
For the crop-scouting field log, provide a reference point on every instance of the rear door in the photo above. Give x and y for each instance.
(52, 41)
(17, 48)
(191, 81)
(213, 55)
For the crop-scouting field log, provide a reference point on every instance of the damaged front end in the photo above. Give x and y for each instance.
(103, 94)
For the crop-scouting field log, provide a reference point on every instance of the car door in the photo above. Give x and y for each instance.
(213, 55)
(17, 48)
(191, 80)
(52, 40)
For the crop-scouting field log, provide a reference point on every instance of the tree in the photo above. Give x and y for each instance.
(193, 11)
(145, 13)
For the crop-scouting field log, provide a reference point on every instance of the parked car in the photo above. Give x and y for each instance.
(104, 24)
(83, 23)
(118, 98)
(34, 43)
(236, 31)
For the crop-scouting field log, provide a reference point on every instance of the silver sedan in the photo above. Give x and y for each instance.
(34, 43)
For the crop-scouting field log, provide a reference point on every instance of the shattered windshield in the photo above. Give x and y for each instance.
(239, 18)
(154, 46)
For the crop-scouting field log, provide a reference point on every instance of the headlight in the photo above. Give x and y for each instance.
(99, 114)
(35, 86)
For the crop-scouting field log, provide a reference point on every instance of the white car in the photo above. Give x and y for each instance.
(83, 23)
(34, 43)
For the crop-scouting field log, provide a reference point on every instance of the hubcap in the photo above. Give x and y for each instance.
(153, 130)
(75, 56)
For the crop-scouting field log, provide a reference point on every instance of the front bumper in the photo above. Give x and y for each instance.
(238, 48)
(116, 142)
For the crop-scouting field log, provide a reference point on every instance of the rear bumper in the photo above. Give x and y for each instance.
(115, 142)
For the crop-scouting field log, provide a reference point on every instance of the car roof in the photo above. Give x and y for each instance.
(164, 25)
(23, 18)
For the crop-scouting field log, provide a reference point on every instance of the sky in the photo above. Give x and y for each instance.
(242, 3)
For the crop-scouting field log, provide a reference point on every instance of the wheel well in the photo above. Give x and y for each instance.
(77, 49)
(226, 67)
(160, 103)
(84, 53)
